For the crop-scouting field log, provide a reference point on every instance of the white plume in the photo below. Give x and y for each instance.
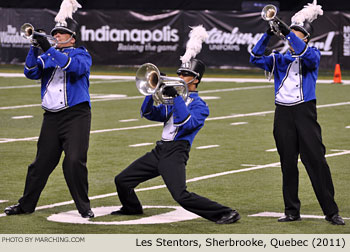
(68, 7)
(197, 36)
(308, 13)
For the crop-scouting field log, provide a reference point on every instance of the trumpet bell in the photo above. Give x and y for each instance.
(27, 31)
(147, 78)
(269, 12)
(150, 82)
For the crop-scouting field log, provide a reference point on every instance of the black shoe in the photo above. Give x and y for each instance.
(15, 209)
(229, 218)
(335, 219)
(88, 214)
(123, 212)
(289, 218)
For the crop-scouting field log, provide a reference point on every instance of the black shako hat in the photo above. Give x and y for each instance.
(71, 27)
(194, 67)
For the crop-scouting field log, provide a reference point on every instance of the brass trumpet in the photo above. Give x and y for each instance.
(150, 82)
(28, 32)
(269, 13)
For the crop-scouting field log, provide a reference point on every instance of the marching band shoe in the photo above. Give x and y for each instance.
(289, 218)
(335, 219)
(88, 214)
(124, 212)
(15, 209)
(229, 218)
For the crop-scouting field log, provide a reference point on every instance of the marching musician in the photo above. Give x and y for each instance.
(168, 159)
(296, 130)
(64, 72)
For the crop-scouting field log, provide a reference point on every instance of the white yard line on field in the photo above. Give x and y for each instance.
(262, 113)
(129, 120)
(112, 97)
(22, 86)
(257, 167)
(20, 106)
(22, 117)
(276, 215)
(112, 79)
(205, 79)
(271, 150)
(238, 123)
(140, 144)
(207, 147)
(38, 85)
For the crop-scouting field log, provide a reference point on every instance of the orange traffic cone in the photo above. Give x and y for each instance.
(337, 74)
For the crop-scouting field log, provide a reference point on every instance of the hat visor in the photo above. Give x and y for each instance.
(300, 28)
(186, 71)
(62, 30)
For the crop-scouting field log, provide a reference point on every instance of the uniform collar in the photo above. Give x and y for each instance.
(65, 48)
(193, 93)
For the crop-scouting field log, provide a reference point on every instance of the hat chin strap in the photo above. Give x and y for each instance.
(67, 41)
(190, 82)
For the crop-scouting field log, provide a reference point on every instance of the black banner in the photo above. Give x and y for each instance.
(128, 38)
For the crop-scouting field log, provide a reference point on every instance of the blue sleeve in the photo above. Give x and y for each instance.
(32, 67)
(79, 63)
(310, 55)
(151, 112)
(189, 118)
(257, 56)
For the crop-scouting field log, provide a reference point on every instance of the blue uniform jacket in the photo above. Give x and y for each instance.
(64, 75)
(182, 121)
(295, 74)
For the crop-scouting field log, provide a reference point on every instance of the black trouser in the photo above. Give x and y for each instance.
(297, 131)
(67, 131)
(167, 159)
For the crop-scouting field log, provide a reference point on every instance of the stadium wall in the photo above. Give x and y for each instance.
(129, 38)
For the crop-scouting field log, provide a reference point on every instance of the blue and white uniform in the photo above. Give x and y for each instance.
(168, 159)
(64, 75)
(182, 121)
(295, 74)
(296, 130)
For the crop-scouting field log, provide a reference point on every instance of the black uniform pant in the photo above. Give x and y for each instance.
(167, 159)
(67, 131)
(296, 131)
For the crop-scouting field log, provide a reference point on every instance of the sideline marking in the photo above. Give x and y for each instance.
(3, 201)
(238, 123)
(207, 147)
(22, 117)
(277, 215)
(347, 127)
(161, 124)
(271, 150)
(178, 214)
(140, 144)
(277, 164)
